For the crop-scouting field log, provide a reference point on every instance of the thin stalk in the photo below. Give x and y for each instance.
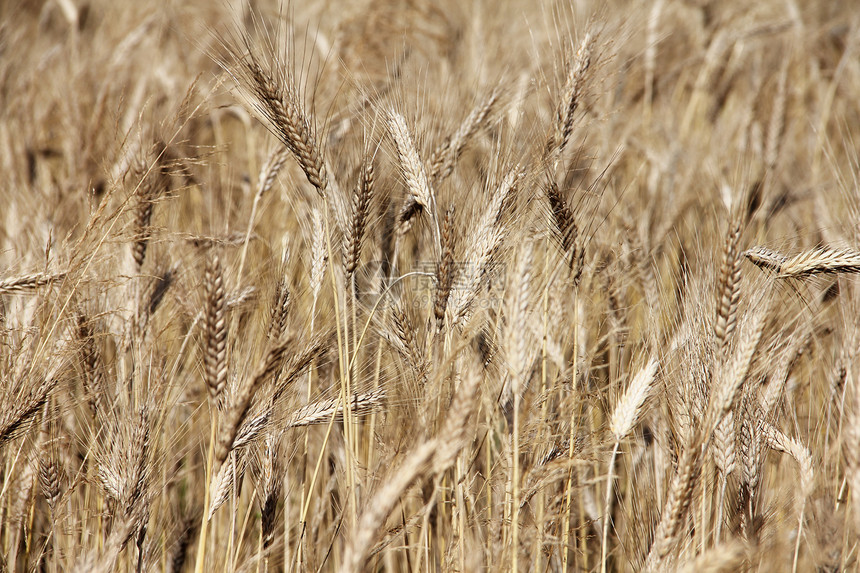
(245, 520)
(797, 538)
(343, 360)
(265, 560)
(515, 488)
(543, 414)
(257, 197)
(204, 526)
(305, 491)
(607, 508)
(720, 501)
(461, 513)
(372, 429)
(233, 503)
(488, 448)
(569, 486)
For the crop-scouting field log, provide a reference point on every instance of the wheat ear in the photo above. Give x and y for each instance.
(354, 234)
(242, 400)
(421, 195)
(481, 251)
(94, 385)
(215, 331)
(675, 510)
(823, 260)
(728, 291)
(819, 261)
(571, 98)
(21, 410)
(435, 455)
(321, 412)
(563, 222)
(728, 297)
(155, 183)
(279, 312)
(782, 443)
(445, 157)
(26, 283)
(623, 419)
(445, 269)
(765, 258)
(734, 373)
(281, 109)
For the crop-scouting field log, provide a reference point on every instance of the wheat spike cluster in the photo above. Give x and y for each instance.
(401, 286)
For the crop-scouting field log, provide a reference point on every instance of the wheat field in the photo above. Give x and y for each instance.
(413, 285)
